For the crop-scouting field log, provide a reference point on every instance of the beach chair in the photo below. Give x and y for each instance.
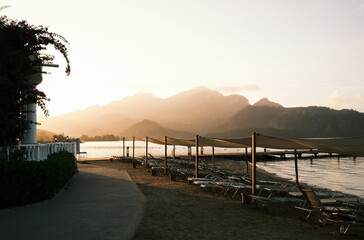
(242, 188)
(344, 216)
(352, 202)
(206, 181)
(275, 204)
(206, 178)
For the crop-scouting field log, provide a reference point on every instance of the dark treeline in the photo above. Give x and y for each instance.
(55, 138)
(107, 137)
(295, 122)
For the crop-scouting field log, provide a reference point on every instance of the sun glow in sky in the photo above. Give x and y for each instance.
(296, 53)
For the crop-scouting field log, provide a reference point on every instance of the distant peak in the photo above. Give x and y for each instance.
(267, 102)
(197, 90)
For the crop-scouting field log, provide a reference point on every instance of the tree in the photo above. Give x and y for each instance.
(21, 56)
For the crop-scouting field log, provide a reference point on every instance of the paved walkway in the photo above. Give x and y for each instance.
(100, 203)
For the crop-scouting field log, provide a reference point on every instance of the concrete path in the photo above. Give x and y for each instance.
(100, 203)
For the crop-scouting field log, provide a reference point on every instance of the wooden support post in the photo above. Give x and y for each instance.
(296, 166)
(174, 152)
(146, 152)
(165, 155)
(213, 156)
(123, 147)
(190, 149)
(246, 161)
(132, 161)
(254, 178)
(196, 159)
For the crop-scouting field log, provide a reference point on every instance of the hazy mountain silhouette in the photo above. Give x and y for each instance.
(295, 122)
(197, 110)
(154, 130)
(87, 122)
(266, 102)
(45, 136)
(205, 112)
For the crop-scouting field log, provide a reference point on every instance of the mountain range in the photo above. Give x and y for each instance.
(206, 112)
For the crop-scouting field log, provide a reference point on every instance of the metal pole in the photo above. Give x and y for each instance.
(246, 161)
(123, 147)
(296, 166)
(174, 152)
(165, 155)
(132, 161)
(253, 163)
(146, 152)
(213, 155)
(196, 159)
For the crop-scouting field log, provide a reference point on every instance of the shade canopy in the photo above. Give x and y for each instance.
(350, 146)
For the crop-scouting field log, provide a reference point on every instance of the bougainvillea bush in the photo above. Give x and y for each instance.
(22, 54)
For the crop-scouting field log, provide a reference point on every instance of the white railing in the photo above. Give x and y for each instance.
(40, 151)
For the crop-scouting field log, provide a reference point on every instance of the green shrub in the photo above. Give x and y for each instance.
(25, 182)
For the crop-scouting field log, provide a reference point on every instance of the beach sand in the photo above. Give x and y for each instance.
(178, 210)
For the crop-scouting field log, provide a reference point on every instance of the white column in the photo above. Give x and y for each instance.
(30, 136)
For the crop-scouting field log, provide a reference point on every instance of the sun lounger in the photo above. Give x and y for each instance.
(351, 202)
(346, 217)
(207, 177)
(217, 184)
(274, 204)
(205, 181)
(242, 188)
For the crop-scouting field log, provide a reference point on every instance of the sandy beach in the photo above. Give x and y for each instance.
(178, 210)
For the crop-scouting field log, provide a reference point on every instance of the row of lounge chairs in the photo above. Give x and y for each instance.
(318, 204)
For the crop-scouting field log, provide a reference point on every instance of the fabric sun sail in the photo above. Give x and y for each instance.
(351, 146)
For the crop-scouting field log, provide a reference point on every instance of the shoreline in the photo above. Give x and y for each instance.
(239, 166)
(179, 209)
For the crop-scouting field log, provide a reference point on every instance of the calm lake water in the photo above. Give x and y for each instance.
(344, 175)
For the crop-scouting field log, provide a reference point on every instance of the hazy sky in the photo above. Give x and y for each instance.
(296, 53)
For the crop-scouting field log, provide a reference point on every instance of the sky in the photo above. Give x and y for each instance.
(297, 53)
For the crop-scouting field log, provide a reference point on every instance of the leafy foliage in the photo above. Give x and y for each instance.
(25, 182)
(21, 58)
